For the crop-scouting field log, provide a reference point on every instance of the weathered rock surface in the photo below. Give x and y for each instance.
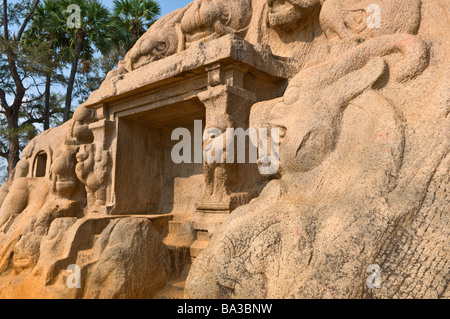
(360, 94)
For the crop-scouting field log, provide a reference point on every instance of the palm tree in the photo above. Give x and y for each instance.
(95, 32)
(132, 18)
(112, 36)
(40, 33)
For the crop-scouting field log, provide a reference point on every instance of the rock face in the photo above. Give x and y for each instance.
(358, 206)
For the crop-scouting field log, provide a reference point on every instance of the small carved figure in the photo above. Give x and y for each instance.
(91, 170)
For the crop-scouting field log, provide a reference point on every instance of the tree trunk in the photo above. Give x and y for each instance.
(73, 72)
(13, 139)
(12, 112)
(47, 102)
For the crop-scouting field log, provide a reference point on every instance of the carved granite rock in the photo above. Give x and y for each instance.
(360, 94)
(314, 231)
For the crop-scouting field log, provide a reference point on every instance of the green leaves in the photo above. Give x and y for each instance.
(133, 17)
(51, 23)
(36, 61)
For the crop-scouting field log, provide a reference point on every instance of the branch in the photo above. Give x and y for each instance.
(32, 121)
(36, 86)
(3, 99)
(35, 99)
(27, 19)
(20, 92)
(5, 20)
(10, 88)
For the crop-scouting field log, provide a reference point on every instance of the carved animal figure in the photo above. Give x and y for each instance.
(322, 115)
(209, 19)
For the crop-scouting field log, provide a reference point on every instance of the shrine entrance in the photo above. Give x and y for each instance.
(147, 180)
(138, 113)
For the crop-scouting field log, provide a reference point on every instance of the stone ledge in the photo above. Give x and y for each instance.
(193, 61)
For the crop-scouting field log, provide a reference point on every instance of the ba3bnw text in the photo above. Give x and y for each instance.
(226, 309)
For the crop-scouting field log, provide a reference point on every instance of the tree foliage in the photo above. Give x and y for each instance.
(42, 57)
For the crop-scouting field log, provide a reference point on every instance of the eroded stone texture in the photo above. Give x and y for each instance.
(363, 115)
(337, 208)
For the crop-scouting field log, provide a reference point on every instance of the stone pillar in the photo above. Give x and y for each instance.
(104, 132)
(227, 105)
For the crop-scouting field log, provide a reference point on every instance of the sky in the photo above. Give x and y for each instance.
(167, 6)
